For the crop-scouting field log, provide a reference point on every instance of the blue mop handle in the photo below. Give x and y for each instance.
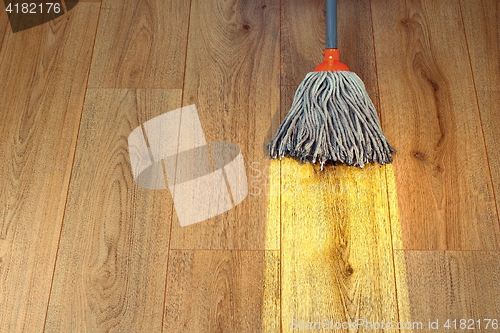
(331, 24)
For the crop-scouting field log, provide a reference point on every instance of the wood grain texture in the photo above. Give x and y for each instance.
(439, 77)
(220, 291)
(40, 101)
(140, 44)
(336, 246)
(403, 297)
(356, 41)
(232, 75)
(392, 197)
(482, 26)
(452, 285)
(4, 26)
(111, 266)
(302, 38)
(431, 116)
(482, 29)
(490, 111)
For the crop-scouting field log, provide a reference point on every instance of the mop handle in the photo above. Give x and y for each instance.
(331, 24)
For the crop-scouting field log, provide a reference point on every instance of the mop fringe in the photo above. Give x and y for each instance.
(332, 120)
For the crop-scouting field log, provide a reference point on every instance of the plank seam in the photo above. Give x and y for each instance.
(175, 172)
(479, 113)
(72, 168)
(241, 250)
(280, 275)
(391, 237)
(380, 113)
(133, 88)
(385, 173)
(438, 250)
(379, 108)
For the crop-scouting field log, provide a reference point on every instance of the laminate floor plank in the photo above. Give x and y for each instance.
(336, 246)
(454, 285)
(140, 44)
(490, 115)
(222, 291)
(430, 114)
(482, 26)
(112, 260)
(232, 76)
(41, 101)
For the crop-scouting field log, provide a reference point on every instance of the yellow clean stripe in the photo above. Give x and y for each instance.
(336, 245)
(271, 304)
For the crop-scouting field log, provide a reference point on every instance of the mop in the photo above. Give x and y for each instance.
(332, 119)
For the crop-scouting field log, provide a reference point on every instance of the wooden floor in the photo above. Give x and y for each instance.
(84, 249)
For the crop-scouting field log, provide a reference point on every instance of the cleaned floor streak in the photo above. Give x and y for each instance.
(336, 245)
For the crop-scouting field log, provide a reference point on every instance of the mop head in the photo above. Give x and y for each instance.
(332, 120)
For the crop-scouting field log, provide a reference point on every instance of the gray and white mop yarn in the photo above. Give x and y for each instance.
(332, 120)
